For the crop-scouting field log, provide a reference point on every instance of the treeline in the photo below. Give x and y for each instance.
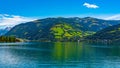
(8, 39)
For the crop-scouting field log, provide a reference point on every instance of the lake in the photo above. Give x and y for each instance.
(59, 55)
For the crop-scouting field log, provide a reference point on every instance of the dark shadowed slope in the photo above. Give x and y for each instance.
(109, 33)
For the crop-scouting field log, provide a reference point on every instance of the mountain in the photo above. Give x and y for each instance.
(60, 29)
(4, 31)
(109, 33)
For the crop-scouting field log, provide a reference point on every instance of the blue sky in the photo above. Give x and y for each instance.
(47, 8)
(13, 12)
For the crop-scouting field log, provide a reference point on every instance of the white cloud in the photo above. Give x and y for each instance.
(7, 20)
(114, 17)
(88, 5)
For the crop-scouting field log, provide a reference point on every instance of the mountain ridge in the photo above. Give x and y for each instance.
(41, 29)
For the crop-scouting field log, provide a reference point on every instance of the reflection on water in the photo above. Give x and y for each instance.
(58, 55)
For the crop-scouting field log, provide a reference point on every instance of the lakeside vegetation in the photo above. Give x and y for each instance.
(9, 39)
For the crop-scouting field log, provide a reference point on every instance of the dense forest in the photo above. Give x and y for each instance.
(8, 39)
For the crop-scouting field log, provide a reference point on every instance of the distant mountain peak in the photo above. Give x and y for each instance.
(8, 28)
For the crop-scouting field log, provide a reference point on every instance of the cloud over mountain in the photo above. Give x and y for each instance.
(114, 17)
(12, 20)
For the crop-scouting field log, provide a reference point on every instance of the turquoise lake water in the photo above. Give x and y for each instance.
(59, 55)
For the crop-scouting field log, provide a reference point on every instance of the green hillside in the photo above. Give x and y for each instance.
(65, 32)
